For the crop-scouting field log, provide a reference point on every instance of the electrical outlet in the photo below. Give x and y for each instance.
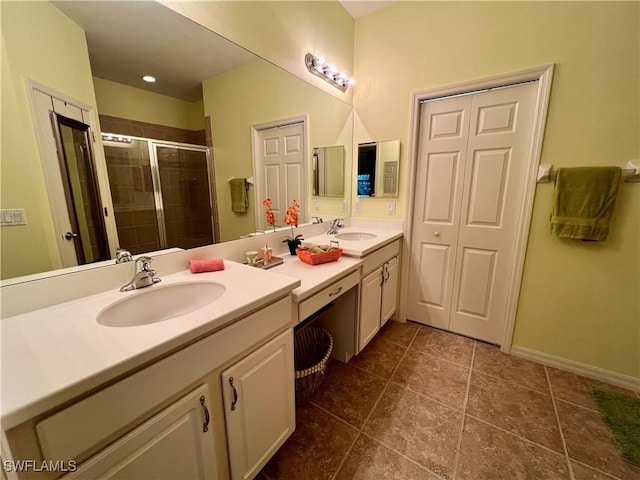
(317, 205)
(391, 208)
(344, 206)
(358, 206)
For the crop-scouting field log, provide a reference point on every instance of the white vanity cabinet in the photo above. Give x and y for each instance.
(167, 419)
(259, 405)
(175, 443)
(378, 291)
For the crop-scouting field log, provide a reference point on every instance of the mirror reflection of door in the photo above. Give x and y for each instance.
(88, 232)
(367, 154)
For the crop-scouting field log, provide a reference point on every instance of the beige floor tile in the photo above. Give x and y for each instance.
(348, 392)
(490, 360)
(590, 441)
(436, 378)
(315, 450)
(379, 357)
(487, 453)
(515, 408)
(419, 428)
(446, 345)
(577, 389)
(401, 333)
(581, 472)
(370, 460)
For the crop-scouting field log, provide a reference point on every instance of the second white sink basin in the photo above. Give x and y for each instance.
(355, 236)
(159, 303)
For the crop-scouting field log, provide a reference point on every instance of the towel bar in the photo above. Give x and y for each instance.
(630, 172)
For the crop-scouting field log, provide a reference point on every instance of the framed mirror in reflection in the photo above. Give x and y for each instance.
(197, 117)
(378, 165)
(328, 171)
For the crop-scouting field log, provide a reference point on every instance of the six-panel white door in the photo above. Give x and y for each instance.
(281, 158)
(470, 178)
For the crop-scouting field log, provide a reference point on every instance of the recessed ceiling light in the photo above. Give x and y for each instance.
(149, 78)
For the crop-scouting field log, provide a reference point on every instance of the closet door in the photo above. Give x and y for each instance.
(444, 126)
(467, 203)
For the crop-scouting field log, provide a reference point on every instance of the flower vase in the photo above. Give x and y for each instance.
(293, 245)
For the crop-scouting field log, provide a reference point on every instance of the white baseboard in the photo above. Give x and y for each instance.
(597, 373)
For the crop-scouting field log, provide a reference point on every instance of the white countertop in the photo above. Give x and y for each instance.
(314, 278)
(357, 248)
(51, 355)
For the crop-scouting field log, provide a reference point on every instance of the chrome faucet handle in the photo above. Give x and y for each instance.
(142, 264)
(123, 255)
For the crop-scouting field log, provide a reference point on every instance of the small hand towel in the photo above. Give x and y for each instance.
(239, 198)
(583, 202)
(208, 265)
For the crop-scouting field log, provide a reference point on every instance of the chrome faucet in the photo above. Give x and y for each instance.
(335, 225)
(143, 277)
(123, 256)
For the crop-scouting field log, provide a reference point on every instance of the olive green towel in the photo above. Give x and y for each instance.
(583, 202)
(239, 197)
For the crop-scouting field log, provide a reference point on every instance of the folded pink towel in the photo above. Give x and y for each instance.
(208, 265)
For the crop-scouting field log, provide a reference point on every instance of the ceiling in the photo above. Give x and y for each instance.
(178, 52)
(360, 8)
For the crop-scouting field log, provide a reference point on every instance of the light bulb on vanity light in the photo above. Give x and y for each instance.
(319, 67)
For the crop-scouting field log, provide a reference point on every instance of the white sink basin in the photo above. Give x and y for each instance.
(355, 236)
(159, 303)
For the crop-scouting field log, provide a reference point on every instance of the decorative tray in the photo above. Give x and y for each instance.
(275, 261)
(311, 258)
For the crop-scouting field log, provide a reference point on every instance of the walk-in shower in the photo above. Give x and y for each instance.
(161, 193)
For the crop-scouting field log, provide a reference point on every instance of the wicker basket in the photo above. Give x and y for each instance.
(311, 258)
(313, 346)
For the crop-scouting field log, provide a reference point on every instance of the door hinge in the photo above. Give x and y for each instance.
(93, 137)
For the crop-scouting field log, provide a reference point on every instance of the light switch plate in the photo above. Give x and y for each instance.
(358, 206)
(391, 207)
(12, 217)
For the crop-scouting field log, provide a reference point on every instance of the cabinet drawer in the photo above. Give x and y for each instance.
(91, 422)
(329, 294)
(377, 258)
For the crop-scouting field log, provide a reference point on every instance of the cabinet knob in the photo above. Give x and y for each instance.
(436, 234)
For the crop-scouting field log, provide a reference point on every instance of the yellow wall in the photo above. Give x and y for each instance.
(123, 101)
(260, 92)
(38, 43)
(579, 301)
(282, 32)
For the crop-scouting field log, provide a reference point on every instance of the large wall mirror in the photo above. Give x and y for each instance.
(209, 93)
(378, 165)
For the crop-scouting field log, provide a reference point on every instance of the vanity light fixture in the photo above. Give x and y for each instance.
(116, 138)
(149, 79)
(319, 67)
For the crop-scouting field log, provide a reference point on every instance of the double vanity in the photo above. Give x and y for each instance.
(189, 378)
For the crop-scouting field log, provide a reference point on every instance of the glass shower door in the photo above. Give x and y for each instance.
(132, 193)
(186, 198)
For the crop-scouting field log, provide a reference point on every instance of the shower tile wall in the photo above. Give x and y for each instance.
(132, 195)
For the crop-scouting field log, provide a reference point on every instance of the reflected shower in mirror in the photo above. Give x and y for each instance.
(328, 171)
(378, 165)
(219, 91)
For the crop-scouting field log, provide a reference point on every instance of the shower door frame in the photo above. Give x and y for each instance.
(152, 145)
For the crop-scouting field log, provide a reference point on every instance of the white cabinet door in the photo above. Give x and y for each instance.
(370, 297)
(389, 290)
(259, 399)
(176, 443)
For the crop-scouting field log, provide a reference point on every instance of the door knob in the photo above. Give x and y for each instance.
(436, 234)
(70, 235)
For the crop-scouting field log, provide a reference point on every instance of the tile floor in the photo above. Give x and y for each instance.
(420, 403)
